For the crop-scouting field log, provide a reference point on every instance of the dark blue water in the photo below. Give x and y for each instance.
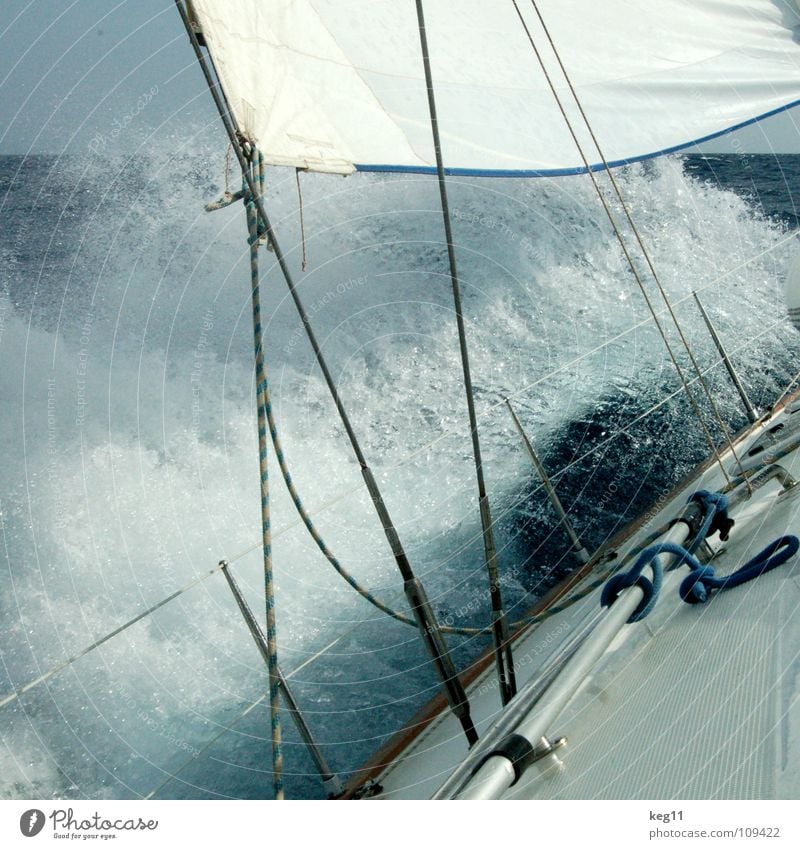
(768, 183)
(128, 430)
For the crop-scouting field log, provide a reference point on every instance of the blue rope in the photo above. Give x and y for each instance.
(716, 512)
(634, 577)
(715, 506)
(697, 586)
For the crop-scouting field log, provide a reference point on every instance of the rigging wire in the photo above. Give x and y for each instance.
(635, 230)
(415, 593)
(234, 722)
(17, 693)
(621, 240)
(228, 151)
(502, 644)
(304, 259)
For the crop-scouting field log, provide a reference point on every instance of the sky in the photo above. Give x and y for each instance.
(91, 74)
(79, 73)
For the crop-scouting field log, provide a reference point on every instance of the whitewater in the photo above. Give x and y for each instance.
(130, 452)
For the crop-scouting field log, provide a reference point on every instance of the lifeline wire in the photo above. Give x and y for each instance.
(621, 241)
(637, 235)
(10, 697)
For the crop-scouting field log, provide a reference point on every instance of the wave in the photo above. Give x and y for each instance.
(130, 445)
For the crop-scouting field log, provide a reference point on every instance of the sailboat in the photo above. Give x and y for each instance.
(663, 664)
(592, 695)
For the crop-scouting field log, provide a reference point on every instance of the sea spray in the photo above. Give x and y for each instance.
(129, 436)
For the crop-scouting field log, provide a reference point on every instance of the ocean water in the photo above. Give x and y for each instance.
(130, 454)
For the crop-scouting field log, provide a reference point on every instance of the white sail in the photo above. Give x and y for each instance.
(333, 85)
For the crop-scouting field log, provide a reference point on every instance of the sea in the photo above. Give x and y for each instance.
(130, 452)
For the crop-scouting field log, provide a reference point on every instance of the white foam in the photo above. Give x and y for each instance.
(129, 437)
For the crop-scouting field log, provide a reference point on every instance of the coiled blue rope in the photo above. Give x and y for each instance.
(715, 506)
(697, 586)
(634, 577)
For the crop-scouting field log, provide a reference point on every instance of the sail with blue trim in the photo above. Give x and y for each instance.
(337, 85)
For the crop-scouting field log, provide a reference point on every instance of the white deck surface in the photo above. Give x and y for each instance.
(694, 702)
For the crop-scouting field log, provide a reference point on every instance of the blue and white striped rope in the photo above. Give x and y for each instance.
(257, 172)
